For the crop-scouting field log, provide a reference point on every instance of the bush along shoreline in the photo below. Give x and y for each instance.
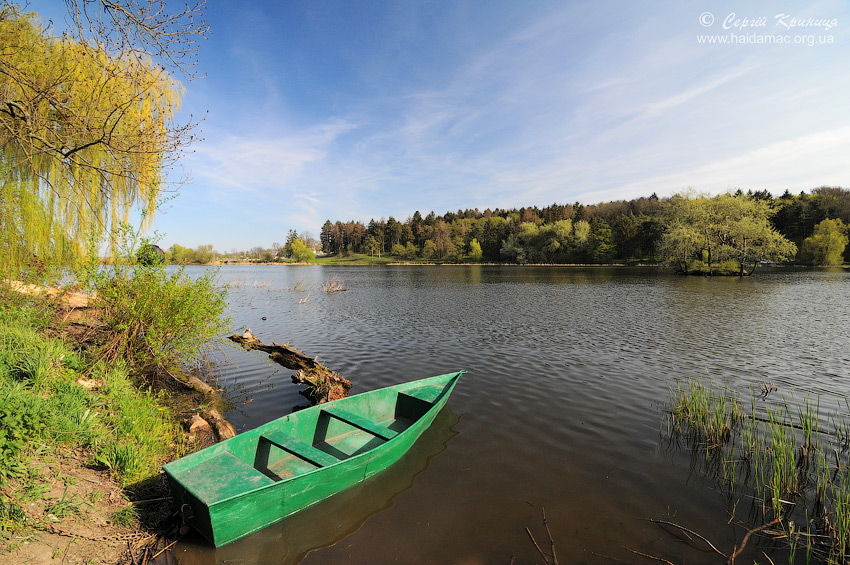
(91, 402)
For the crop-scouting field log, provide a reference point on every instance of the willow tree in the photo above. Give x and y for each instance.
(727, 229)
(87, 125)
(827, 244)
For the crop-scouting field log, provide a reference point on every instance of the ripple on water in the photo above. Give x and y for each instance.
(569, 371)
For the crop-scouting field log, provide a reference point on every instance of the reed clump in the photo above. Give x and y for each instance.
(333, 285)
(795, 472)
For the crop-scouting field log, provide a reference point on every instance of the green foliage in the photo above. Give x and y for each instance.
(150, 255)
(300, 252)
(12, 442)
(745, 228)
(85, 136)
(789, 470)
(600, 243)
(179, 255)
(429, 250)
(127, 430)
(721, 229)
(155, 318)
(127, 517)
(827, 244)
(475, 252)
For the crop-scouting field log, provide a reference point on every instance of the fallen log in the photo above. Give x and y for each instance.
(322, 383)
(284, 355)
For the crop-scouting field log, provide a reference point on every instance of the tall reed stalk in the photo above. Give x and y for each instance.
(798, 471)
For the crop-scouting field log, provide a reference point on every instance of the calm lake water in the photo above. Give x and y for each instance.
(563, 408)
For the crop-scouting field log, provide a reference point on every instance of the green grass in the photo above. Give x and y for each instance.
(784, 468)
(45, 411)
(355, 259)
(127, 517)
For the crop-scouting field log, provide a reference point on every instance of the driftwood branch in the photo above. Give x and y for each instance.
(689, 531)
(548, 559)
(284, 355)
(740, 548)
(323, 384)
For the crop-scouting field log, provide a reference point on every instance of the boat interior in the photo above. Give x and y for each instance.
(293, 446)
(339, 434)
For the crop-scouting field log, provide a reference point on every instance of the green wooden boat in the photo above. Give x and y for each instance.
(260, 477)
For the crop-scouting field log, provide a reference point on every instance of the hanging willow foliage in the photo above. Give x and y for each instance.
(85, 135)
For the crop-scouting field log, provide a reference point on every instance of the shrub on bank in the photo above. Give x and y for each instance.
(153, 318)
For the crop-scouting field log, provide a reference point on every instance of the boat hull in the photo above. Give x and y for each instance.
(262, 476)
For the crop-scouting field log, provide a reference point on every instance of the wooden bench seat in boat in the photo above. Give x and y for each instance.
(299, 448)
(428, 393)
(223, 476)
(360, 422)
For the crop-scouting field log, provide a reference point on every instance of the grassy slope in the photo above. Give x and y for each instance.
(71, 431)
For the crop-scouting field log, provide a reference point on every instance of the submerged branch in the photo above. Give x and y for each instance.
(323, 384)
(285, 355)
(554, 556)
(688, 531)
(739, 549)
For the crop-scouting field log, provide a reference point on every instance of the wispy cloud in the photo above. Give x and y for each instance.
(265, 164)
(654, 109)
(519, 106)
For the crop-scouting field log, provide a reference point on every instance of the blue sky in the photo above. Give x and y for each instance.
(355, 110)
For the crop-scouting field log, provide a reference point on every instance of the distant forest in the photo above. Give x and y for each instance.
(619, 231)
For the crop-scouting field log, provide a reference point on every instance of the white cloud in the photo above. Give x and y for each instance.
(576, 103)
(265, 164)
(796, 164)
(654, 109)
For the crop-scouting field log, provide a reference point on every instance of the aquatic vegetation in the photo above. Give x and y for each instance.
(792, 472)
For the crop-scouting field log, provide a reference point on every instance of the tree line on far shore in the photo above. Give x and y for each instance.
(730, 232)
(807, 227)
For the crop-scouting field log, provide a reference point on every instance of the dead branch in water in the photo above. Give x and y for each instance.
(739, 549)
(688, 531)
(333, 285)
(322, 383)
(650, 556)
(553, 560)
(284, 355)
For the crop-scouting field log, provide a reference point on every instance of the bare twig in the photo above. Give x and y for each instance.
(164, 548)
(551, 541)
(333, 285)
(738, 551)
(686, 530)
(554, 557)
(651, 557)
(534, 541)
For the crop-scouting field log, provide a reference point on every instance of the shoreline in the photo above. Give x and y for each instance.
(108, 519)
(360, 263)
